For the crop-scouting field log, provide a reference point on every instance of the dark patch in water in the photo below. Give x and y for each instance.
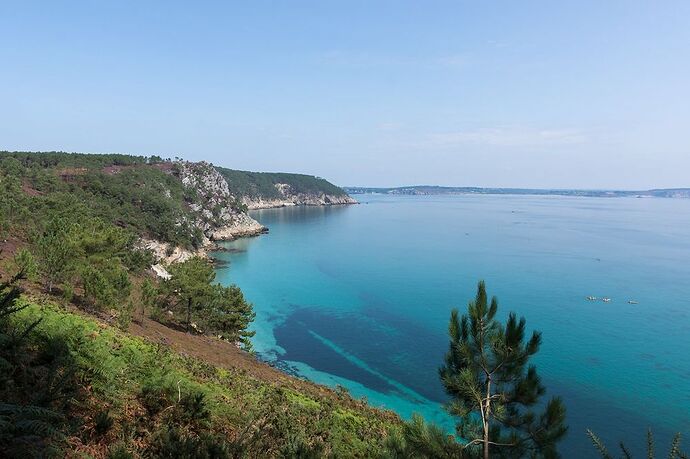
(423, 349)
(224, 249)
(418, 366)
(220, 264)
(301, 346)
(375, 337)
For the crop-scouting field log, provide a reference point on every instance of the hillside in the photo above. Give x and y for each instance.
(176, 203)
(102, 356)
(87, 388)
(259, 190)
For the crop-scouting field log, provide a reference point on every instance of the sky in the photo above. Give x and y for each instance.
(548, 94)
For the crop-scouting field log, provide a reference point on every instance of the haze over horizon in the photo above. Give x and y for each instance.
(488, 94)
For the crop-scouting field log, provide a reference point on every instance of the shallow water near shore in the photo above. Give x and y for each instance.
(360, 296)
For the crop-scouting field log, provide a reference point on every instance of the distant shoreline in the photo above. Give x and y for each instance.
(426, 190)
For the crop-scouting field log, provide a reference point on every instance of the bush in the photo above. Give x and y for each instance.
(124, 316)
(103, 422)
(237, 415)
(67, 292)
(119, 451)
(155, 396)
(263, 184)
(25, 263)
(172, 443)
(106, 287)
(192, 408)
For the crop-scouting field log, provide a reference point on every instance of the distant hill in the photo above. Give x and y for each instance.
(441, 190)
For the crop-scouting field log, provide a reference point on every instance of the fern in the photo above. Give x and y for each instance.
(24, 428)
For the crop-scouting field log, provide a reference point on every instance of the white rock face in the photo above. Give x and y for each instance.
(291, 198)
(241, 225)
(161, 272)
(166, 254)
(217, 215)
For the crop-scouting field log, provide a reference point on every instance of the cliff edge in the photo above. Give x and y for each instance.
(263, 190)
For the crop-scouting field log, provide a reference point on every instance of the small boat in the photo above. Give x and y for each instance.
(633, 302)
(606, 300)
(592, 298)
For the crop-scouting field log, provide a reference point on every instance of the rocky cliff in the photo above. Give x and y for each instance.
(216, 201)
(261, 190)
(217, 213)
(291, 198)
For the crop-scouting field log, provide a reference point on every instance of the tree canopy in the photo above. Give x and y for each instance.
(191, 292)
(494, 390)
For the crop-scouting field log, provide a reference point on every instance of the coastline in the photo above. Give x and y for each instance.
(298, 200)
(241, 226)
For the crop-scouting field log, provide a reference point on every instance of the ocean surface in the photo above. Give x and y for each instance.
(360, 296)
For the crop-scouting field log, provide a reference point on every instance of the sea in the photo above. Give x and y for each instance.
(359, 296)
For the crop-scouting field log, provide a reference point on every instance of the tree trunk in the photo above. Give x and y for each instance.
(487, 412)
(189, 313)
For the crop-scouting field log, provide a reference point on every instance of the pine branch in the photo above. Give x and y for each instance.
(625, 450)
(599, 445)
(675, 447)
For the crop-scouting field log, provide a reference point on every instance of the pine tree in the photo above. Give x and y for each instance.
(231, 314)
(493, 389)
(190, 287)
(417, 439)
(55, 251)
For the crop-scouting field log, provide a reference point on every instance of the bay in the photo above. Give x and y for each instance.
(360, 296)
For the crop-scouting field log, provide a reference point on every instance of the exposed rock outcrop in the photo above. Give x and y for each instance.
(160, 271)
(167, 254)
(212, 209)
(241, 225)
(218, 214)
(290, 198)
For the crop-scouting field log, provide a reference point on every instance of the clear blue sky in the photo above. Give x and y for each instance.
(586, 94)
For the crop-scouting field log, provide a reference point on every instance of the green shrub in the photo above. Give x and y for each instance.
(25, 263)
(107, 286)
(192, 408)
(155, 395)
(119, 451)
(67, 292)
(124, 316)
(103, 422)
(172, 443)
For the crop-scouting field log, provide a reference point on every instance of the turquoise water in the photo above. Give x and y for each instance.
(360, 296)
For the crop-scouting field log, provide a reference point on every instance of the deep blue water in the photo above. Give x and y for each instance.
(360, 296)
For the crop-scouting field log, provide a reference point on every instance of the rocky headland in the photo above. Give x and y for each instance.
(290, 198)
(220, 198)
